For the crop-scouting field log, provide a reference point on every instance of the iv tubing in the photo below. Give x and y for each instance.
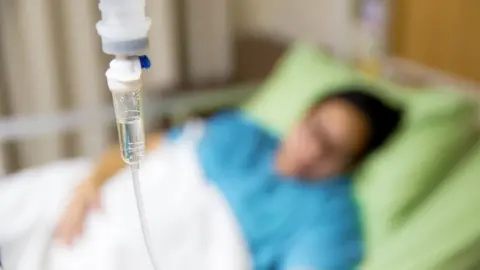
(141, 214)
(124, 81)
(124, 32)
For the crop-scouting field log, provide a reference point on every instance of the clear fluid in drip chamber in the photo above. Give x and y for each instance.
(131, 136)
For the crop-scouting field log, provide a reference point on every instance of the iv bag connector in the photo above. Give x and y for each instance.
(124, 27)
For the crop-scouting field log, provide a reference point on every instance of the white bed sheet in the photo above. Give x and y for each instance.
(191, 225)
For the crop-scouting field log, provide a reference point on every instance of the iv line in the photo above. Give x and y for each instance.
(125, 83)
(124, 31)
(142, 215)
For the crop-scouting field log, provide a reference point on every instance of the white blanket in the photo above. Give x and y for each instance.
(191, 225)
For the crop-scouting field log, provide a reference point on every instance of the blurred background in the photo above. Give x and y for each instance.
(52, 84)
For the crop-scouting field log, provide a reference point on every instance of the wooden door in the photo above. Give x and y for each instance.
(443, 34)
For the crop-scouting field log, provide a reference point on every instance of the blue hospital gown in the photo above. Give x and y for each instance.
(287, 223)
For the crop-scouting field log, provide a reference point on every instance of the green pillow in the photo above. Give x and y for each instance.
(436, 130)
(444, 232)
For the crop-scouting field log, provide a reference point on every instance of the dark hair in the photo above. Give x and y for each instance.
(383, 119)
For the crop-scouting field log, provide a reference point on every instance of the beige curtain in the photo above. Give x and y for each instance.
(209, 40)
(51, 63)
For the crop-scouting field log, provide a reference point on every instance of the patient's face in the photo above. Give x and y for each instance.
(326, 143)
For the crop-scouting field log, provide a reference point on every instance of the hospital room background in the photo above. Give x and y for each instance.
(208, 55)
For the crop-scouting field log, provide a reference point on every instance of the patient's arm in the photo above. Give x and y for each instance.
(86, 195)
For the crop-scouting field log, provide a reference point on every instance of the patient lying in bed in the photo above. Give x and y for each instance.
(291, 200)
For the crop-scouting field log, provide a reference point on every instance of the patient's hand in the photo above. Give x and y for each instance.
(85, 199)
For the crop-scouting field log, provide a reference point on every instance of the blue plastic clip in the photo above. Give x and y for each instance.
(144, 62)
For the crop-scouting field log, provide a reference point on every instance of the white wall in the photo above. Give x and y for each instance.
(327, 22)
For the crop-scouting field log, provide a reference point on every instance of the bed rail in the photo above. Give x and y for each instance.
(177, 106)
(17, 128)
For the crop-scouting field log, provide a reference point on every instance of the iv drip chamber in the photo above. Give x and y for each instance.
(124, 27)
(124, 81)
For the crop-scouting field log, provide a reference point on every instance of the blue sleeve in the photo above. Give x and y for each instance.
(317, 250)
(334, 241)
(216, 124)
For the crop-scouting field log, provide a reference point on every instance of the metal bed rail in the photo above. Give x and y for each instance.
(178, 106)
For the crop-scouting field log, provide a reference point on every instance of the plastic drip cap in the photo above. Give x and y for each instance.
(144, 62)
